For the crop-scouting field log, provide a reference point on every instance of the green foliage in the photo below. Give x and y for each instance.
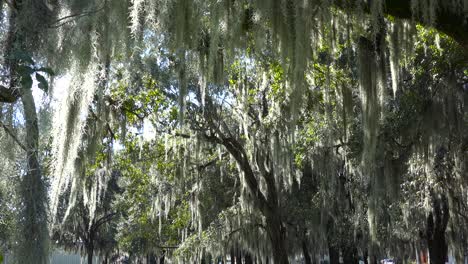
(27, 67)
(43, 85)
(7, 218)
(274, 129)
(138, 106)
(277, 85)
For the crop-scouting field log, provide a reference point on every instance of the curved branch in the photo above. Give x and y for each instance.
(238, 152)
(102, 220)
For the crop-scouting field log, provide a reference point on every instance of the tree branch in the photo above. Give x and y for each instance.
(238, 152)
(453, 24)
(10, 4)
(167, 247)
(201, 167)
(8, 95)
(231, 234)
(108, 127)
(103, 220)
(235, 148)
(9, 132)
(57, 24)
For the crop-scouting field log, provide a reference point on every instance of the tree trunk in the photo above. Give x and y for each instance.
(268, 206)
(365, 257)
(203, 259)
(277, 234)
(305, 251)
(33, 219)
(334, 254)
(34, 193)
(248, 259)
(239, 257)
(372, 259)
(232, 255)
(350, 254)
(89, 245)
(90, 250)
(436, 225)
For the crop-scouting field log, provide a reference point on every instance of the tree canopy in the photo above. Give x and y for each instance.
(266, 131)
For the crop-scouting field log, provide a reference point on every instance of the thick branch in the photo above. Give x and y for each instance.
(452, 23)
(237, 230)
(269, 179)
(102, 221)
(211, 162)
(235, 148)
(8, 95)
(60, 22)
(238, 152)
(9, 132)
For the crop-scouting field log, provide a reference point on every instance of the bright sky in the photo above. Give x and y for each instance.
(59, 91)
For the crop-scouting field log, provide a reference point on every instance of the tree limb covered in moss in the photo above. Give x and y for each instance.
(447, 21)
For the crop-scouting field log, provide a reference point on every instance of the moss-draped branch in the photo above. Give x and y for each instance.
(453, 24)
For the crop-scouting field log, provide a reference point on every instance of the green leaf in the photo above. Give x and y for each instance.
(22, 57)
(26, 82)
(46, 70)
(43, 85)
(24, 70)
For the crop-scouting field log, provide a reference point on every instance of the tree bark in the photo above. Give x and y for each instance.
(305, 252)
(372, 259)
(8, 95)
(276, 233)
(34, 244)
(334, 254)
(436, 224)
(90, 251)
(366, 257)
(448, 21)
(232, 255)
(248, 259)
(268, 206)
(34, 193)
(350, 254)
